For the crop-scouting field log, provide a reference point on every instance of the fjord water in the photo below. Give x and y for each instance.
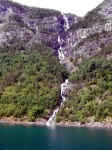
(54, 138)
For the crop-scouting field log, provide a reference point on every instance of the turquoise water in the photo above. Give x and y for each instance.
(54, 138)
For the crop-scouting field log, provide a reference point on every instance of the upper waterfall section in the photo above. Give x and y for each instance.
(31, 26)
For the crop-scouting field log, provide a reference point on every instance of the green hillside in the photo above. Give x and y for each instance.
(30, 83)
(92, 93)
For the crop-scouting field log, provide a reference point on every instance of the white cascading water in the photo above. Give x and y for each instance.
(64, 85)
(67, 23)
(60, 51)
(64, 91)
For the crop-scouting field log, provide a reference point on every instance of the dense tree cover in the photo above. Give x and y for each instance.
(92, 94)
(30, 83)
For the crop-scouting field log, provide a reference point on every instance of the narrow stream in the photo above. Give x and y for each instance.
(64, 85)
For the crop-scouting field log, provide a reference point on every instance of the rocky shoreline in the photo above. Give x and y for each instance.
(62, 124)
(92, 125)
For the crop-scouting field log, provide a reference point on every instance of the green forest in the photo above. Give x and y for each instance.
(30, 83)
(92, 93)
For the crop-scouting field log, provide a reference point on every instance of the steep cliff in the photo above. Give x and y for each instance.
(82, 45)
(89, 58)
(91, 33)
(22, 26)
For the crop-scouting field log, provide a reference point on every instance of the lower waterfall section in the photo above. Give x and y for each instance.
(64, 86)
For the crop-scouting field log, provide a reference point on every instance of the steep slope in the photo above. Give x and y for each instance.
(30, 83)
(91, 98)
(22, 26)
(31, 75)
(91, 33)
(89, 57)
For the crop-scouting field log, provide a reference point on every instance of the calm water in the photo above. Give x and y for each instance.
(54, 138)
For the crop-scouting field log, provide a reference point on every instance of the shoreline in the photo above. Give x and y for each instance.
(88, 125)
(61, 124)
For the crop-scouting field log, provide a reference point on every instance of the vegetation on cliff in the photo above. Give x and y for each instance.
(92, 94)
(30, 83)
(30, 74)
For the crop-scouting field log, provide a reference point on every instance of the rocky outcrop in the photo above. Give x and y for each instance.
(22, 26)
(89, 35)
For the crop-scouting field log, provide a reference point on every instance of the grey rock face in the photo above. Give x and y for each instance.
(22, 26)
(90, 34)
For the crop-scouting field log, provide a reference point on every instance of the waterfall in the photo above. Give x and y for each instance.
(64, 85)
(53, 117)
(64, 91)
(66, 20)
(60, 51)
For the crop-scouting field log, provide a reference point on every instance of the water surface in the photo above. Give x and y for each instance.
(54, 138)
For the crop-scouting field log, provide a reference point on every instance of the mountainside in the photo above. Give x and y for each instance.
(91, 98)
(30, 83)
(91, 33)
(89, 57)
(33, 41)
(22, 26)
